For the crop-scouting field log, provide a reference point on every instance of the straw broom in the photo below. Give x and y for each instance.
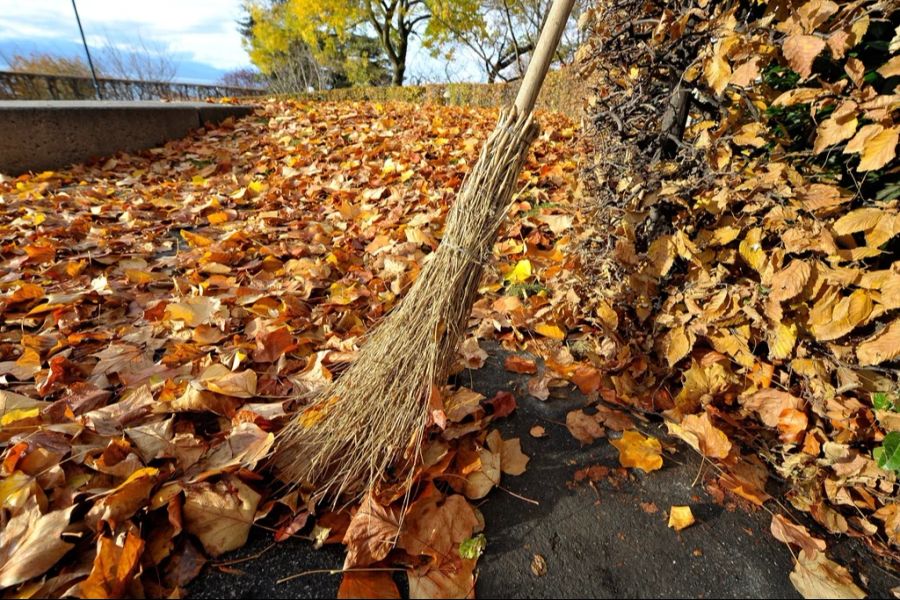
(373, 417)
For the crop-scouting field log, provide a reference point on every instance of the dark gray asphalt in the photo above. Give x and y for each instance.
(596, 540)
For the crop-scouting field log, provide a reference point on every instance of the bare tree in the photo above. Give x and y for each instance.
(137, 59)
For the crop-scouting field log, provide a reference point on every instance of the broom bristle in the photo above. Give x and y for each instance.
(357, 427)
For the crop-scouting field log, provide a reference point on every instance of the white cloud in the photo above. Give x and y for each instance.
(200, 30)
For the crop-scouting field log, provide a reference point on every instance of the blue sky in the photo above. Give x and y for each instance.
(201, 35)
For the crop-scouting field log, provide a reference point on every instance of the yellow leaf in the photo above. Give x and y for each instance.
(879, 150)
(18, 415)
(195, 240)
(751, 249)
(676, 345)
(862, 219)
(840, 126)
(781, 343)
(217, 218)
(680, 517)
(343, 294)
(550, 331)
(256, 187)
(881, 347)
(717, 71)
(520, 273)
(749, 135)
(639, 451)
(859, 141)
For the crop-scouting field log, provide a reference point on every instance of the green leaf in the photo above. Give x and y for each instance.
(472, 547)
(885, 401)
(888, 454)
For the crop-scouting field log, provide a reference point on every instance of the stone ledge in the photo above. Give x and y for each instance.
(36, 136)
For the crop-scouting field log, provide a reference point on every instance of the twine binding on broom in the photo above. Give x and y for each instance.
(373, 417)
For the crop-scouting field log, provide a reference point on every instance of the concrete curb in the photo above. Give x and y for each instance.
(36, 136)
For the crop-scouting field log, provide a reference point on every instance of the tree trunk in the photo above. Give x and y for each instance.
(399, 73)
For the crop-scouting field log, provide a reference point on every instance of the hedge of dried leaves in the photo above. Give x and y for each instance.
(746, 216)
(161, 312)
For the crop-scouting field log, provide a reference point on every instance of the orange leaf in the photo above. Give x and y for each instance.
(114, 567)
(637, 450)
(518, 364)
(367, 584)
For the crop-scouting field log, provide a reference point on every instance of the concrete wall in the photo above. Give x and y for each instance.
(37, 136)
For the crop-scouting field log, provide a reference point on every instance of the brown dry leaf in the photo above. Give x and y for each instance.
(537, 432)
(680, 517)
(798, 535)
(31, 543)
(452, 579)
(584, 427)
(891, 68)
(114, 566)
(220, 515)
(126, 499)
(472, 353)
(538, 565)
(222, 380)
(639, 451)
(435, 525)
(817, 576)
(483, 480)
(362, 584)
(512, 460)
(770, 404)
(372, 533)
(704, 437)
(800, 52)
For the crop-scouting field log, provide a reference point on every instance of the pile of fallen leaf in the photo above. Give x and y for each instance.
(160, 313)
(745, 216)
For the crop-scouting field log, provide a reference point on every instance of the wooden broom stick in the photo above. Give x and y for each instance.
(543, 55)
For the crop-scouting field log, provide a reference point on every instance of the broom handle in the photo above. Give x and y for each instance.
(543, 55)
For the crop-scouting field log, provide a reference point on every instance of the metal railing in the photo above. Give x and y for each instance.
(38, 86)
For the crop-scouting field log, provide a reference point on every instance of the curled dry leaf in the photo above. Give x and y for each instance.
(704, 437)
(584, 427)
(680, 517)
(797, 535)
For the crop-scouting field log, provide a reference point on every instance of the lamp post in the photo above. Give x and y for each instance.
(88, 53)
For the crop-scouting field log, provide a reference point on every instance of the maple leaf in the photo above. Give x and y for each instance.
(372, 533)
